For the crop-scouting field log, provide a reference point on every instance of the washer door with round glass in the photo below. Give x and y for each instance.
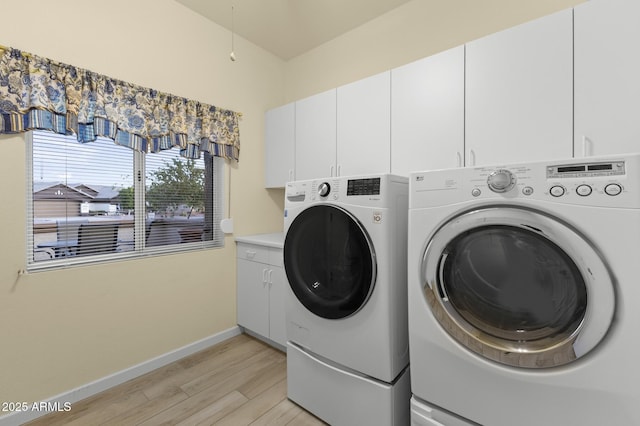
(329, 261)
(518, 287)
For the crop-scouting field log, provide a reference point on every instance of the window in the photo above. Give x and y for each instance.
(100, 201)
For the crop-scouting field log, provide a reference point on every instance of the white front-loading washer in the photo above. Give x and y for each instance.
(346, 311)
(523, 292)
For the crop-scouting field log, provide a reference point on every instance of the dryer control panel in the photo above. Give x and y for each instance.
(611, 181)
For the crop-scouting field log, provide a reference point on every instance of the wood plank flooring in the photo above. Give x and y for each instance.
(241, 381)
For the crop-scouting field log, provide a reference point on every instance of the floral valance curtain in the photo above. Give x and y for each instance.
(39, 93)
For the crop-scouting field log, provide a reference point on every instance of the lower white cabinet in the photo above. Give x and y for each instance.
(261, 282)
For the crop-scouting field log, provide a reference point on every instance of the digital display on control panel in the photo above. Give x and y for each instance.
(600, 167)
(368, 186)
(587, 170)
(566, 169)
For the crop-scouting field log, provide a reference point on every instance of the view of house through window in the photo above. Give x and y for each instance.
(100, 198)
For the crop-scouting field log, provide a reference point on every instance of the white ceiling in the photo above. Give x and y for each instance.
(288, 28)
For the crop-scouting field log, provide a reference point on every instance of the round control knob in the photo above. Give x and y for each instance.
(324, 189)
(501, 180)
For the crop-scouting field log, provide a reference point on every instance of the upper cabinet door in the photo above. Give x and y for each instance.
(279, 146)
(364, 123)
(519, 93)
(316, 136)
(607, 77)
(427, 113)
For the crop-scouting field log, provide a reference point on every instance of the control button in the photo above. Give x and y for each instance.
(556, 191)
(501, 180)
(527, 190)
(612, 189)
(476, 192)
(584, 190)
(324, 189)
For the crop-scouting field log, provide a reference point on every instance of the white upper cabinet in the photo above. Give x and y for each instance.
(279, 146)
(505, 98)
(519, 93)
(315, 132)
(607, 77)
(427, 113)
(364, 126)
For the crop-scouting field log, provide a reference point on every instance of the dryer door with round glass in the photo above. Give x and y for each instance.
(329, 261)
(518, 287)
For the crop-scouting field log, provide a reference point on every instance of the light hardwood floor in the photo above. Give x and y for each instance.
(241, 381)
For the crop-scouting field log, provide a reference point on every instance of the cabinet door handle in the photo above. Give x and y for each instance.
(458, 159)
(472, 154)
(264, 276)
(251, 254)
(338, 174)
(587, 148)
(269, 277)
(331, 171)
(290, 175)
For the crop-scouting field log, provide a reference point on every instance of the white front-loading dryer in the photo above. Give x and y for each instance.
(346, 309)
(522, 291)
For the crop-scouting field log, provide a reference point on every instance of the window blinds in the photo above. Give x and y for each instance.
(100, 201)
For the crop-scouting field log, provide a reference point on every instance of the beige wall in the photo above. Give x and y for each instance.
(60, 330)
(415, 30)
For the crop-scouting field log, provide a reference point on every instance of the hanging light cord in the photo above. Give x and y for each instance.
(232, 55)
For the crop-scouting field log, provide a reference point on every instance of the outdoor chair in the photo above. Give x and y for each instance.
(161, 232)
(97, 238)
(67, 231)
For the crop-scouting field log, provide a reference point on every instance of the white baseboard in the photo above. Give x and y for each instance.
(269, 342)
(100, 385)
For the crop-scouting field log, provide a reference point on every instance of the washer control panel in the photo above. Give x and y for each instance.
(330, 190)
(380, 191)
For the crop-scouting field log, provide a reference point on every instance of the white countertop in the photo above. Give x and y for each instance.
(268, 240)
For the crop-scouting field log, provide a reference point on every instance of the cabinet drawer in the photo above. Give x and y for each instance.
(253, 252)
